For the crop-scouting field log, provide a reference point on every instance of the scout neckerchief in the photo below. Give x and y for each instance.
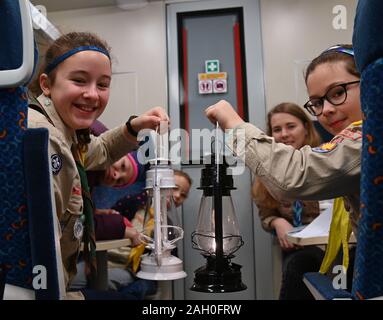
(89, 238)
(297, 213)
(135, 254)
(340, 231)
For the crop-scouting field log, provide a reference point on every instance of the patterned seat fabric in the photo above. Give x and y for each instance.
(368, 47)
(16, 257)
(27, 219)
(368, 276)
(13, 201)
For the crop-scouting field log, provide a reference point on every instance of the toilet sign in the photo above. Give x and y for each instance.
(212, 81)
(205, 86)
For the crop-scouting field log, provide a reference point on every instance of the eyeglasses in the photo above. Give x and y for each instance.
(336, 95)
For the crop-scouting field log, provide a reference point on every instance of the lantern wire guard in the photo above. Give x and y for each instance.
(160, 264)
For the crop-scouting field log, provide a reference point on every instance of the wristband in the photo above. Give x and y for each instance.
(130, 128)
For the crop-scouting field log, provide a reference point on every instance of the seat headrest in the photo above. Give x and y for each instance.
(11, 42)
(367, 35)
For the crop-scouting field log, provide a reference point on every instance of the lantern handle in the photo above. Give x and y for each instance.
(173, 241)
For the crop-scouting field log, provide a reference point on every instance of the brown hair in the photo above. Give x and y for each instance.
(259, 191)
(61, 45)
(334, 56)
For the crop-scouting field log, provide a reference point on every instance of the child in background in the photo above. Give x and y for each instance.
(124, 262)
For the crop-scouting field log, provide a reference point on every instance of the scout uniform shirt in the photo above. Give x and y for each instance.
(325, 172)
(102, 152)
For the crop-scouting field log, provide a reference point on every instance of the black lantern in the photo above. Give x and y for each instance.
(217, 233)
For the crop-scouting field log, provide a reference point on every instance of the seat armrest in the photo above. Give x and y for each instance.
(321, 287)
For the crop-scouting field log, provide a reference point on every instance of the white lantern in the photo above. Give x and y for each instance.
(160, 264)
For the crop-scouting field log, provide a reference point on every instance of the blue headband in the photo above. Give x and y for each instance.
(69, 53)
(338, 48)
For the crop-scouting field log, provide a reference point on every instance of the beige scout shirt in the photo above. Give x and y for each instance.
(328, 171)
(102, 151)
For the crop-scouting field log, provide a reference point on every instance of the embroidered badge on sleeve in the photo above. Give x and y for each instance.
(56, 163)
(352, 133)
(325, 147)
(78, 229)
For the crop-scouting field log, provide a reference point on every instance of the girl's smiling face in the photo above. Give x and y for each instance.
(288, 129)
(335, 118)
(80, 90)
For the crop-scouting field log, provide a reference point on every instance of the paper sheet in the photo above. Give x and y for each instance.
(319, 227)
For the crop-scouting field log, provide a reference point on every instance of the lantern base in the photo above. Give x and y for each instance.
(208, 279)
(171, 268)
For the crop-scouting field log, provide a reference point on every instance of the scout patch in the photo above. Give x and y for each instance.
(325, 147)
(353, 133)
(337, 140)
(78, 229)
(56, 162)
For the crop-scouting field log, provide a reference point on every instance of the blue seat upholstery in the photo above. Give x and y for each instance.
(368, 48)
(28, 229)
(44, 239)
(368, 28)
(322, 287)
(368, 278)
(13, 216)
(12, 57)
(367, 39)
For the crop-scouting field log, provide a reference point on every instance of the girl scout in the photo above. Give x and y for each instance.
(74, 84)
(328, 171)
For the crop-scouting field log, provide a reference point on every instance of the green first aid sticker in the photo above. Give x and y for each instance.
(211, 66)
